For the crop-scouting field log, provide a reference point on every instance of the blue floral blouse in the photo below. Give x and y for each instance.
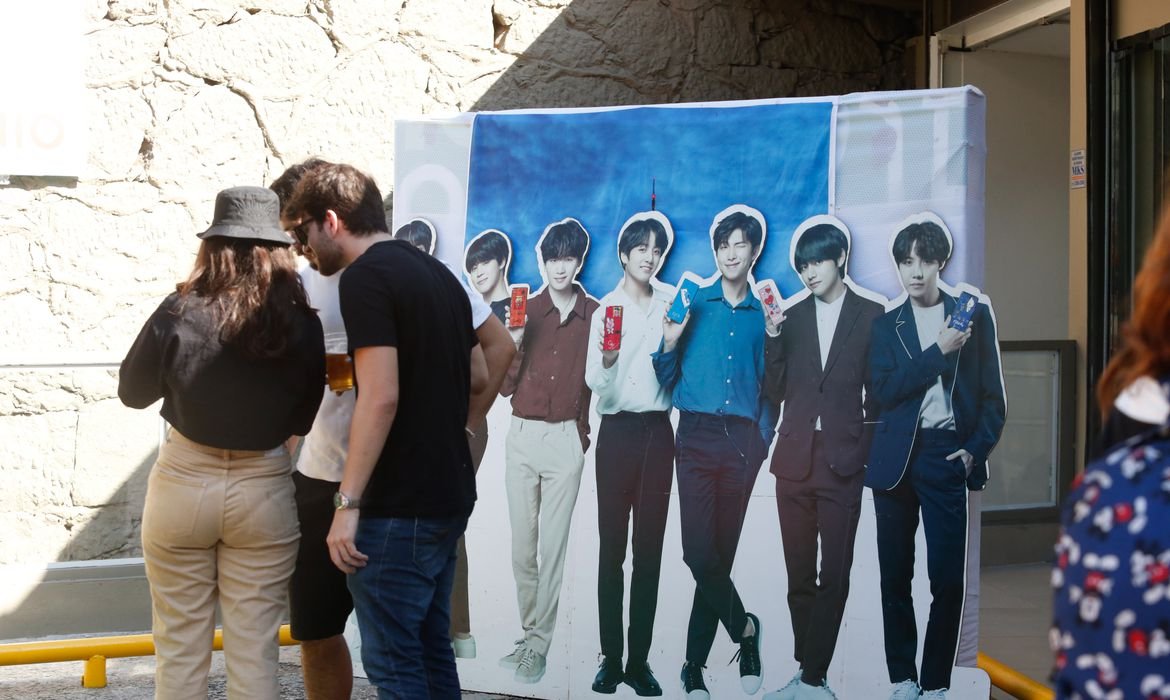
(1111, 618)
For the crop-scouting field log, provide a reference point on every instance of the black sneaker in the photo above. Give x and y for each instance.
(609, 676)
(642, 680)
(692, 682)
(749, 659)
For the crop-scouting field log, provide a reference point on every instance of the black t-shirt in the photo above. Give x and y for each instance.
(394, 295)
(213, 394)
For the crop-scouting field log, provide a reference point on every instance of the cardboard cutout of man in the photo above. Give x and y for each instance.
(545, 449)
(816, 364)
(486, 262)
(635, 451)
(714, 364)
(942, 410)
(420, 233)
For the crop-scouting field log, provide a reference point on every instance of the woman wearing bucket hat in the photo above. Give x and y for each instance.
(238, 358)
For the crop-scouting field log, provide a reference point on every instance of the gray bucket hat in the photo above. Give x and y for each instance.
(248, 213)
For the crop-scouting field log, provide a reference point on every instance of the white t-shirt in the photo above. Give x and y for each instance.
(323, 451)
(322, 454)
(936, 407)
(828, 314)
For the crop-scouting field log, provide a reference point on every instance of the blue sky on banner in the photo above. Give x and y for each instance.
(530, 170)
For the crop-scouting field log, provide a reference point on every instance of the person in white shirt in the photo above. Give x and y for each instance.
(635, 453)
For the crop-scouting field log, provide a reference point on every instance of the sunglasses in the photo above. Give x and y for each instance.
(301, 232)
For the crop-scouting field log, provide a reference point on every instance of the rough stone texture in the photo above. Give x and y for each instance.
(75, 463)
(253, 52)
(186, 97)
(126, 114)
(725, 36)
(123, 54)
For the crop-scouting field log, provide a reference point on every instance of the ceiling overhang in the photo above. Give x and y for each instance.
(1003, 20)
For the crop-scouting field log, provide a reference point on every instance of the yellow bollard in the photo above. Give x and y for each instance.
(95, 650)
(95, 672)
(1012, 681)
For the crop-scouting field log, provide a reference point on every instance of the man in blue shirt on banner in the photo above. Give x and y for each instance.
(713, 361)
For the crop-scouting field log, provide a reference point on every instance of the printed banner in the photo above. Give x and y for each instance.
(752, 351)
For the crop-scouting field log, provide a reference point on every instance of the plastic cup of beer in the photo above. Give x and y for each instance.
(338, 366)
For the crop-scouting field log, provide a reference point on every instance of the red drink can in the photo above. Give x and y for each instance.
(518, 307)
(611, 333)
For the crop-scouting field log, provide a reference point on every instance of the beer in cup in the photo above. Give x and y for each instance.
(338, 365)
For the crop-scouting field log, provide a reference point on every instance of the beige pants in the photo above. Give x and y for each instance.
(218, 526)
(541, 477)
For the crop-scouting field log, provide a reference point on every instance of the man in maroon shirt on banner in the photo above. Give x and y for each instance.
(545, 449)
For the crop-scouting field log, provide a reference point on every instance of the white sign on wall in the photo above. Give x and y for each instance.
(1078, 175)
(42, 124)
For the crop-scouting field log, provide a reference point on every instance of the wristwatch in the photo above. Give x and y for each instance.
(343, 502)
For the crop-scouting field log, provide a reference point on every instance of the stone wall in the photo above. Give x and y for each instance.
(185, 97)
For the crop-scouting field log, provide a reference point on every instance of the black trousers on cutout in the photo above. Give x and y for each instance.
(827, 505)
(635, 456)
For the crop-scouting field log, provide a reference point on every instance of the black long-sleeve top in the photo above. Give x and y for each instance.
(214, 395)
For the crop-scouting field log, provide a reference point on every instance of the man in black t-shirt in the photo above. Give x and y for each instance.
(408, 468)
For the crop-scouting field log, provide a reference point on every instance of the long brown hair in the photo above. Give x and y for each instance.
(1145, 338)
(253, 290)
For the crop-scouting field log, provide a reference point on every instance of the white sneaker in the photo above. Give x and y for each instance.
(512, 660)
(788, 692)
(906, 690)
(804, 691)
(940, 694)
(531, 668)
(464, 647)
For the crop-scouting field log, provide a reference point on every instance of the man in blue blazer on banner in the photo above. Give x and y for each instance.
(942, 409)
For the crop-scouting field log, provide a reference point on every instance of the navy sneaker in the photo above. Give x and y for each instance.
(692, 682)
(750, 676)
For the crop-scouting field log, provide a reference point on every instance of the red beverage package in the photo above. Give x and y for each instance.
(770, 298)
(611, 332)
(519, 306)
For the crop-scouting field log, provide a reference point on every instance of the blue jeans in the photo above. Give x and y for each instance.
(403, 601)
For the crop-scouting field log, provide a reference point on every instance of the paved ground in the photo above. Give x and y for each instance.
(1015, 615)
(1015, 612)
(133, 679)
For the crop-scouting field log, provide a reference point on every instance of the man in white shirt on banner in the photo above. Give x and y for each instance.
(635, 452)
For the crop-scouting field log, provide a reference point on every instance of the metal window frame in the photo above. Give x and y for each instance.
(1066, 457)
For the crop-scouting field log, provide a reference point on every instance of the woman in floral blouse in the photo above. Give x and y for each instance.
(1111, 627)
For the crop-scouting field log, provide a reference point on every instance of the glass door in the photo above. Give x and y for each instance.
(1140, 142)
